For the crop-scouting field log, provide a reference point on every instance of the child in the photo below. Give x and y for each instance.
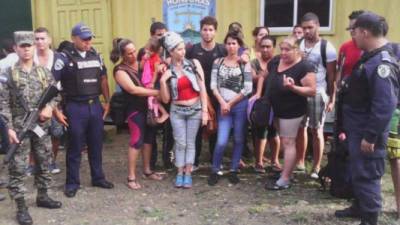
(151, 60)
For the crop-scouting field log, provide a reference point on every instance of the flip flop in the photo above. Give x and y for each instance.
(152, 176)
(137, 185)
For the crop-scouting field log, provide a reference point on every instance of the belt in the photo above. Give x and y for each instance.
(86, 101)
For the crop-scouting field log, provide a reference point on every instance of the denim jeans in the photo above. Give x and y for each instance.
(236, 118)
(185, 125)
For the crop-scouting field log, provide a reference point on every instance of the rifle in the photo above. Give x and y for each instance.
(31, 117)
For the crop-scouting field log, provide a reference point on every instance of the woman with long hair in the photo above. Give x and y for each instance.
(231, 83)
(126, 76)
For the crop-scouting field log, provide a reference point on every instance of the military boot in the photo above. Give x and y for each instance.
(351, 212)
(369, 218)
(23, 216)
(43, 200)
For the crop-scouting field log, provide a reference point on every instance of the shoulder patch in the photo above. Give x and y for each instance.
(383, 70)
(58, 65)
(386, 56)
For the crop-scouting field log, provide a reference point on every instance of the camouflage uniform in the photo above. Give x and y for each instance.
(31, 84)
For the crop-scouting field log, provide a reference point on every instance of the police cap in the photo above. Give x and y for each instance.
(372, 22)
(82, 31)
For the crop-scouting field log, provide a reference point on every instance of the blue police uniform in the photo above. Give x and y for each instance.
(81, 81)
(369, 99)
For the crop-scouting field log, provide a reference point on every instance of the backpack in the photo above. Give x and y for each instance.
(119, 101)
(337, 171)
(260, 112)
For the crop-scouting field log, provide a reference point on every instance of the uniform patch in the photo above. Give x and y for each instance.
(58, 65)
(383, 70)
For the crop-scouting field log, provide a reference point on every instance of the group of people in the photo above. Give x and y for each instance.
(208, 89)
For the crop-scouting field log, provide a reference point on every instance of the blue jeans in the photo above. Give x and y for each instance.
(236, 118)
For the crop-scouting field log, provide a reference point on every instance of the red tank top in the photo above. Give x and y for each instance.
(185, 89)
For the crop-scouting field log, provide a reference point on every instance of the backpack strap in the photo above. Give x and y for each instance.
(323, 52)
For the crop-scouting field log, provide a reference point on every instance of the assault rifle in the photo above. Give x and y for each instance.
(29, 125)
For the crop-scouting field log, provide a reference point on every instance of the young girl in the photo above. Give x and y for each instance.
(149, 65)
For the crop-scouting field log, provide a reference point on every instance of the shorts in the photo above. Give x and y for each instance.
(288, 127)
(316, 114)
(56, 128)
(264, 132)
(140, 133)
(393, 148)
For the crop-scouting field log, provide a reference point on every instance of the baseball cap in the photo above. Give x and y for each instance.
(82, 31)
(23, 37)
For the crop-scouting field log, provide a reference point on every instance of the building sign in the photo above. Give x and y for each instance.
(183, 17)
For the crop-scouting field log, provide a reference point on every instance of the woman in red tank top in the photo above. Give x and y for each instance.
(183, 85)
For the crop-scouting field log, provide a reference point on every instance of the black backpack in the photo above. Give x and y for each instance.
(337, 172)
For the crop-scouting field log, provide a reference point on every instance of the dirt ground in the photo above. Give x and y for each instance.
(160, 203)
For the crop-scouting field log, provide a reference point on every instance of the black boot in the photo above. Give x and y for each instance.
(23, 216)
(43, 200)
(369, 218)
(351, 212)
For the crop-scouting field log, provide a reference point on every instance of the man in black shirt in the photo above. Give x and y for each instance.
(206, 52)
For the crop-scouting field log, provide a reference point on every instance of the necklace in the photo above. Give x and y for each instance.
(307, 51)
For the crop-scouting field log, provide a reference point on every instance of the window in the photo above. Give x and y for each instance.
(282, 15)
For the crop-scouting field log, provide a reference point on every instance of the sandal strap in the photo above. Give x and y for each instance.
(149, 174)
(131, 180)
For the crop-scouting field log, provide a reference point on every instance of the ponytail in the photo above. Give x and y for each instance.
(118, 50)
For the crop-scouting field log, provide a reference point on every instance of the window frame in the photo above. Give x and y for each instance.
(286, 30)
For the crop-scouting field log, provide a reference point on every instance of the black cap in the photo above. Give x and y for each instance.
(372, 22)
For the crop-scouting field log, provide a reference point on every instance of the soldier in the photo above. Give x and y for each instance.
(31, 80)
(83, 77)
(369, 100)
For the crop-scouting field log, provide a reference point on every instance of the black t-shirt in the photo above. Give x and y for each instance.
(286, 103)
(206, 59)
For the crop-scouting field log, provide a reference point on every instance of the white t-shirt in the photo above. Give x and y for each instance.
(313, 55)
(49, 61)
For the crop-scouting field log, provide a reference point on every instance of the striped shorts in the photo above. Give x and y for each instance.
(316, 113)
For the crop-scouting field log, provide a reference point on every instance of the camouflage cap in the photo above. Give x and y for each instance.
(23, 37)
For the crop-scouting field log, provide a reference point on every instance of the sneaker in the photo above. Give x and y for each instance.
(300, 168)
(314, 175)
(30, 170)
(278, 185)
(213, 179)
(179, 181)
(187, 181)
(220, 173)
(54, 169)
(233, 177)
(195, 168)
(2, 197)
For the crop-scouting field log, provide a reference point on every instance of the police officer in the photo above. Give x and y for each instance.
(83, 78)
(30, 81)
(369, 99)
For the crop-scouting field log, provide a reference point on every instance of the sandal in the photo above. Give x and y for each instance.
(259, 169)
(276, 168)
(133, 184)
(152, 176)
